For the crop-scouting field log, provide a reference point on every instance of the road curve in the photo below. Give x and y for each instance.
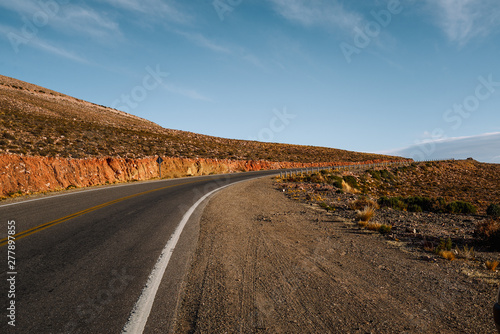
(83, 258)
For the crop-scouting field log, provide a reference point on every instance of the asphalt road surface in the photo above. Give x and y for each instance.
(81, 259)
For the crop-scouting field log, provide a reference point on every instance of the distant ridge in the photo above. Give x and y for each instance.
(37, 121)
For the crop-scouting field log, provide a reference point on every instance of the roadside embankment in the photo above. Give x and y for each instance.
(30, 174)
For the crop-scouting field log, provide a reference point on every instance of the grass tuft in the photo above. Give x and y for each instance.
(448, 255)
(492, 265)
(366, 214)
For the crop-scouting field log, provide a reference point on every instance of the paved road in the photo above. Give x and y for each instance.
(86, 255)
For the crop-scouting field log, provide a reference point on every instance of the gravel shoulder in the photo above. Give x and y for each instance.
(268, 264)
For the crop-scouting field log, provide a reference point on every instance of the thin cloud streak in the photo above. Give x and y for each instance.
(67, 18)
(156, 8)
(189, 93)
(204, 42)
(464, 20)
(326, 14)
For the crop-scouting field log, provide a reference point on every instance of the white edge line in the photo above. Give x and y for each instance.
(142, 308)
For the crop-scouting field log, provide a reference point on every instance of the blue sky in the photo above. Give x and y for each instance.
(372, 76)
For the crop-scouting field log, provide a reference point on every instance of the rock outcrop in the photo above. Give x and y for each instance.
(30, 174)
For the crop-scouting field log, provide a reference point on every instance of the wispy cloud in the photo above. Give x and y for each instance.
(484, 147)
(203, 41)
(186, 92)
(87, 22)
(463, 20)
(59, 51)
(327, 14)
(6, 31)
(67, 18)
(157, 8)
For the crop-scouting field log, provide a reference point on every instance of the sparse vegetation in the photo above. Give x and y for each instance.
(461, 207)
(448, 255)
(420, 204)
(466, 253)
(491, 265)
(326, 206)
(366, 214)
(489, 233)
(493, 210)
(60, 125)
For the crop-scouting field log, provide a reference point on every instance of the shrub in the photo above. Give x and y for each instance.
(326, 206)
(392, 202)
(351, 181)
(461, 207)
(492, 265)
(366, 214)
(414, 208)
(493, 210)
(489, 233)
(317, 178)
(375, 174)
(385, 174)
(420, 204)
(363, 202)
(374, 226)
(466, 253)
(444, 245)
(385, 229)
(447, 255)
(336, 181)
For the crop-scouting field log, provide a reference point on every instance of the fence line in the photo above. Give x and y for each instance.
(311, 170)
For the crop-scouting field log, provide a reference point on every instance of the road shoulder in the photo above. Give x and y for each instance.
(267, 264)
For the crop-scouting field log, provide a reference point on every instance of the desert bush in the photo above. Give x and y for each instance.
(326, 206)
(317, 178)
(493, 210)
(414, 208)
(385, 229)
(445, 245)
(418, 204)
(491, 265)
(385, 174)
(449, 255)
(488, 232)
(366, 214)
(363, 202)
(373, 226)
(397, 203)
(461, 207)
(375, 174)
(466, 253)
(336, 181)
(351, 181)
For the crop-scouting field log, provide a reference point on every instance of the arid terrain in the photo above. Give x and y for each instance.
(448, 209)
(269, 263)
(40, 122)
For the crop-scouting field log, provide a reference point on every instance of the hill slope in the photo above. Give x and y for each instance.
(40, 122)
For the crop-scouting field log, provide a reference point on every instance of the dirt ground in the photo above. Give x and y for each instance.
(268, 264)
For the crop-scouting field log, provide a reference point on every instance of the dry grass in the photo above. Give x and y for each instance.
(374, 226)
(362, 203)
(366, 214)
(466, 253)
(492, 265)
(348, 189)
(448, 255)
(40, 122)
(362, 223)
(429, 246)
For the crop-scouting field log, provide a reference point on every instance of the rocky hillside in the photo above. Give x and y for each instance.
(36, 121)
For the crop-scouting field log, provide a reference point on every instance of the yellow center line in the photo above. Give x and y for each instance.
(44, 226)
